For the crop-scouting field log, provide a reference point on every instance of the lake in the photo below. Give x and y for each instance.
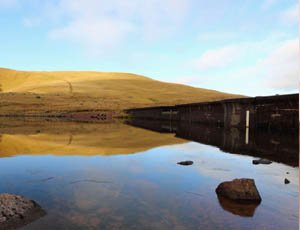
(126, 176)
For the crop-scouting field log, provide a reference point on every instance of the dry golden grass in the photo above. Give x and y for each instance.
(26, 92)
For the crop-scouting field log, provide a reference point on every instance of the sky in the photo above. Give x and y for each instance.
(247, 47)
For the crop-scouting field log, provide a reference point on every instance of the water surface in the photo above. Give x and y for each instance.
(117, 176)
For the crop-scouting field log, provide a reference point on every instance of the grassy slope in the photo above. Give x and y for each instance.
(71, 91)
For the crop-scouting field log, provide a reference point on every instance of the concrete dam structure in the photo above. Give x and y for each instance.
(280, 112)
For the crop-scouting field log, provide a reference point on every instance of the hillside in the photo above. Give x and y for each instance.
(39, 92)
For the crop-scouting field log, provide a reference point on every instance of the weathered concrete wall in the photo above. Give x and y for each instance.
(274, 112)
(209, 113)
(282, 113)
(155, 113)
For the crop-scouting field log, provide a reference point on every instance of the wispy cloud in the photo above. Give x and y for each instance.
(218, 58)
(282, 66)
(100, 25)
(8, 3)
(94, 35)
(290, 15)
(217, 35)
(276, 69)
(268, 3)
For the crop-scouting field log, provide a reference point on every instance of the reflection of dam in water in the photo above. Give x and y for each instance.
(275, 146)
(69, 138)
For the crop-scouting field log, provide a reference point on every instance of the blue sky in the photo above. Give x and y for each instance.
(248, 47)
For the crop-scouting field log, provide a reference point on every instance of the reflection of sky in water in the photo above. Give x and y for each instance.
(149, 190)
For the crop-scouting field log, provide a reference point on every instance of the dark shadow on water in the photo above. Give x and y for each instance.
(275, 146)
(236, 208)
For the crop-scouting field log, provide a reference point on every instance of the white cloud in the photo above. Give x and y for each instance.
(290, 15)
(272, 68)
(31, 22)
(282, 66)
(218, 58)
(268, 3)
(101, 24)
(8, 3)
(94, 35)
(217, 35)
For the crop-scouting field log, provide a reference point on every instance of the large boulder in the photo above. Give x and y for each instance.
(17, 211)
(242, 190)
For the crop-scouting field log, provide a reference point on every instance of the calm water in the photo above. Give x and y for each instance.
(116, 176)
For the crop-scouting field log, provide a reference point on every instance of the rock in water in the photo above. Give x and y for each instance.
(261, 161)
(17, 211)
(286, 181)
(185, 163)
(242, 190)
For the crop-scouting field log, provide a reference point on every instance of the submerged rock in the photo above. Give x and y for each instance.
(17, 211)
(185, 162)
(242, 190)
(261, 161)
(286, 181)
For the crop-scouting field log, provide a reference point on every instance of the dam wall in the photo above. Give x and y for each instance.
(279, 112)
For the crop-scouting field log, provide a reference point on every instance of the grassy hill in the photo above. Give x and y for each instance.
(39, 92)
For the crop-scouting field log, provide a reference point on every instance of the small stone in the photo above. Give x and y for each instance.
(287, 173)
(185, 163)
(261, 161)
(286, 181)
(243, 190)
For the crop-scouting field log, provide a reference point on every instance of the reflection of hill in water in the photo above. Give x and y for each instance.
(68, 138)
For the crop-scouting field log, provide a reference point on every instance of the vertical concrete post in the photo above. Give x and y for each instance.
(247, 127)
(247, 118)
